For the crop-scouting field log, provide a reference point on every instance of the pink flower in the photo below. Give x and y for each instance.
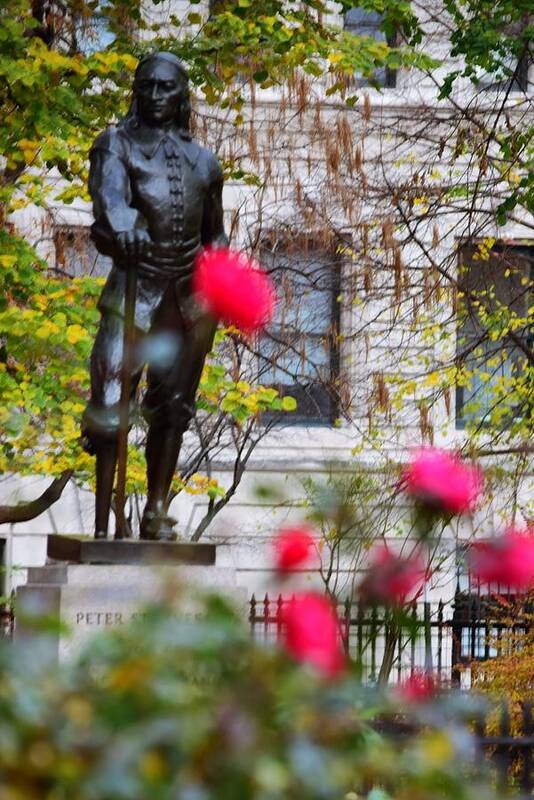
(293, 548)
(418, 688)
(439, 479)
(234, 288)
(507, 560)
(392, 579)
(311, 633)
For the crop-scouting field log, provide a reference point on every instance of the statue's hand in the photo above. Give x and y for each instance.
(134, 244)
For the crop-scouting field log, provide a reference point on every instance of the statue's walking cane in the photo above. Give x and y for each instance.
(122, 530)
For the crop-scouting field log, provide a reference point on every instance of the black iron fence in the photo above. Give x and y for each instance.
(445, 639)
(509, 745)
(422, 640)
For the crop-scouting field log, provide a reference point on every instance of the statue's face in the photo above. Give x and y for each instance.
(159, 89)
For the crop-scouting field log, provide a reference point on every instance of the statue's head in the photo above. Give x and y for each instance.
(161, 91)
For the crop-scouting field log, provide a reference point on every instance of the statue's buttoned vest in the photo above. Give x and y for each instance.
(169, 179)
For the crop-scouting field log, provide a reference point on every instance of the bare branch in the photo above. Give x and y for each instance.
(22, 512)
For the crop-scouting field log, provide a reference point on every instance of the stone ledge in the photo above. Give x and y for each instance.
(78, 550)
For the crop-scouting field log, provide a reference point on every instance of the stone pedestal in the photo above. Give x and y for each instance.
(90, 597)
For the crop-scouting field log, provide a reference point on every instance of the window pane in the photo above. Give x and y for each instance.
(502, 282)
(513, 77)
(367, 23)
(305, 284)
(301, 359)
(510, 72)
(364, 22)
(303, 307)
(299, 351)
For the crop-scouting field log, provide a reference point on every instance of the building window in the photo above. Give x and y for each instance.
(300, 353)
(367, 23)
(513, 77)
(501, 279)
(511, 73)
(76, 255)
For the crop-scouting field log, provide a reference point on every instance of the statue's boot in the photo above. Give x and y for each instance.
(162, 451)
(106, 462)
(157, 525)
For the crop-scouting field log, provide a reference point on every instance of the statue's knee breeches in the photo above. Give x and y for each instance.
(167, 410)
(101, 425)
(101, 420)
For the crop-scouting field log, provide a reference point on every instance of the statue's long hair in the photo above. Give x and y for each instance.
(183, 112)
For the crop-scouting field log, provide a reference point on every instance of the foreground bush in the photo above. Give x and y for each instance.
(179, 707)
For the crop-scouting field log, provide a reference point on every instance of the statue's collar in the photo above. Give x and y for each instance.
(149, 140)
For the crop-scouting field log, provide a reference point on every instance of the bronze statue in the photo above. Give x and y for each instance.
(157, 200)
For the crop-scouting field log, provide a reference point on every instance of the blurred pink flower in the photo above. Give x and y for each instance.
(440, 479)
(418, 688)
(234, 288)
(391, 579)
(294, 547)
(507, 560)
(311, 633)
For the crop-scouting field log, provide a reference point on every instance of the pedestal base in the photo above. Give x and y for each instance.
(101, 594)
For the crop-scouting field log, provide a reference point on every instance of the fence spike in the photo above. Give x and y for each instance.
(279, 610)
(252, 606)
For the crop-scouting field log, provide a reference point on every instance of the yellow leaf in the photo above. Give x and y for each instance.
(75, 334)
(432, 379)
(47, 329)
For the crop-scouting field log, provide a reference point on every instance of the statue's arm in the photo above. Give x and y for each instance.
(110, 190)
(213, 233)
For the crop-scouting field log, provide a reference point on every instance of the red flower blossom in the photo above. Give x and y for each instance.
(392, 579)
(311, 633)
(293, 548)
(418, 688)
(234, 288)
(439, 479)
(507, 560)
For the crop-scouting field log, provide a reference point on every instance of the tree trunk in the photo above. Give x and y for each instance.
(391, 638)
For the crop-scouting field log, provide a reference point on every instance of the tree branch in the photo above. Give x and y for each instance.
(22, 512)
